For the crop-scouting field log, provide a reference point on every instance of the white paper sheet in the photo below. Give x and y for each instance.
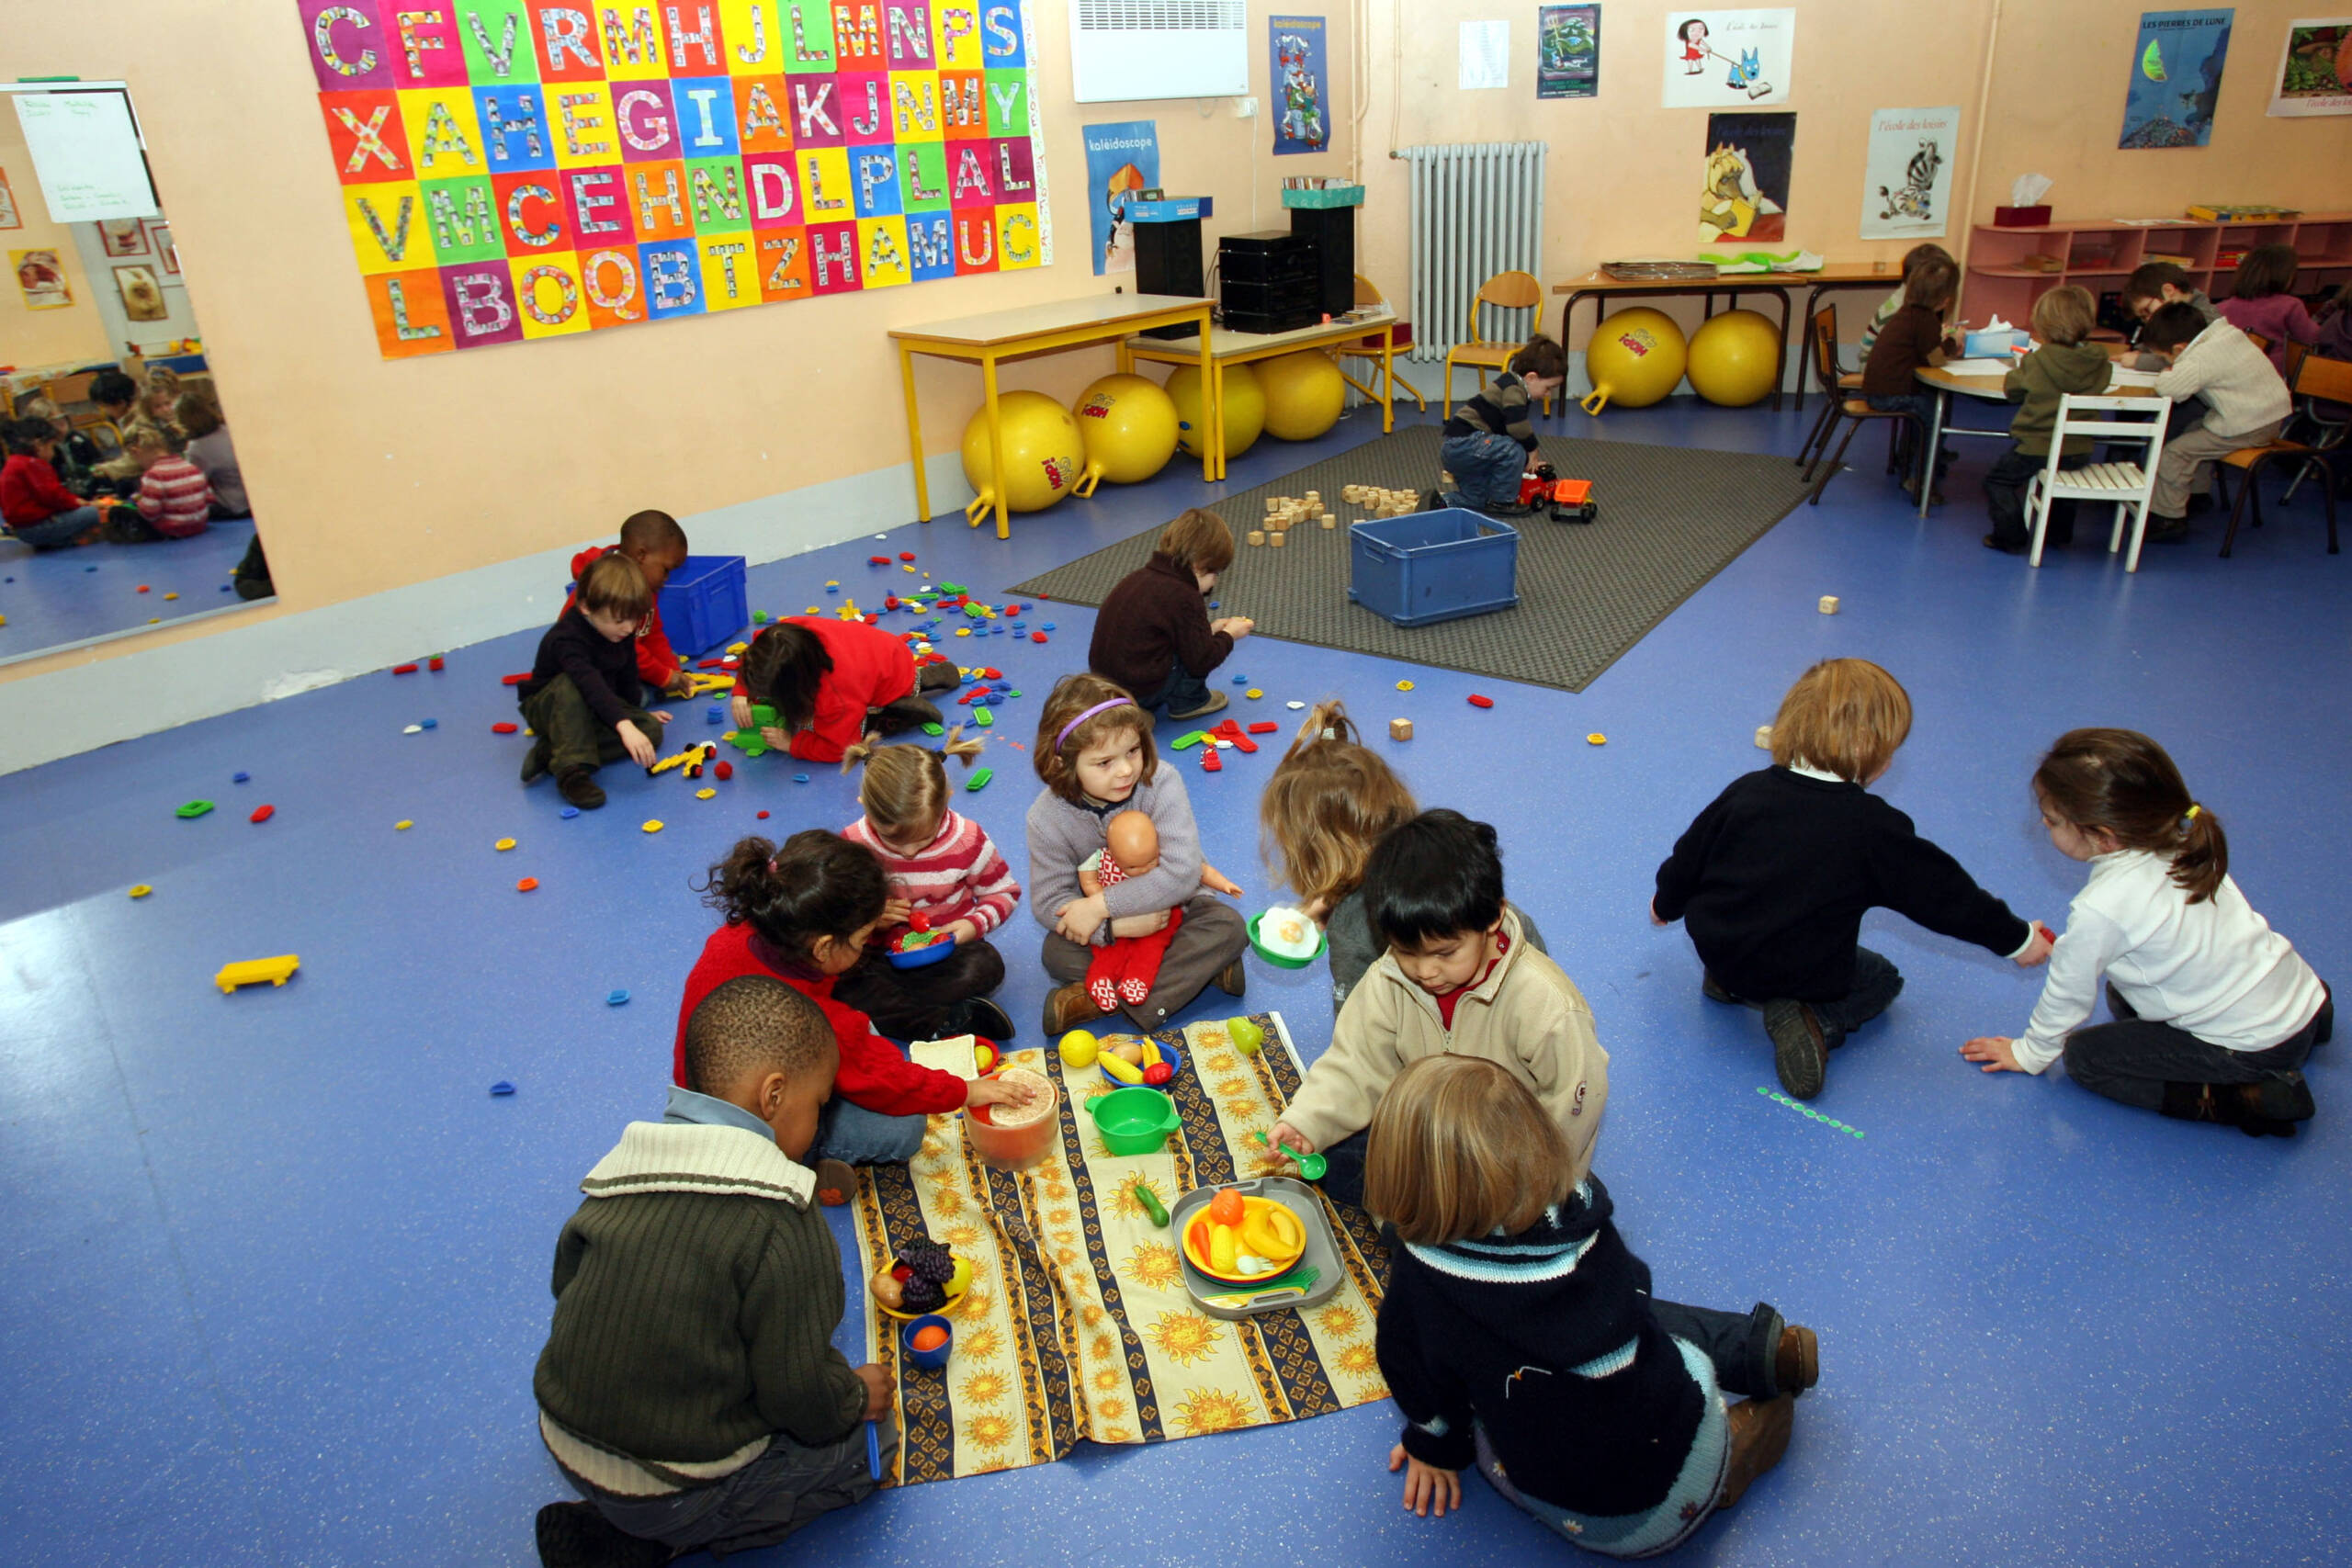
(1486, 55)
(85, 150)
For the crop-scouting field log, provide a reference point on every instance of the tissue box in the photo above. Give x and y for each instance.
(2021, 217)
(1996, 345)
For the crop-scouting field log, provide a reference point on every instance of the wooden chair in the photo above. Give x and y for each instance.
(1505, 291)
(1835, 385)
(1845, 402)
(2129, 487)
(1372, 348)
(2317, 379)
(72, 396)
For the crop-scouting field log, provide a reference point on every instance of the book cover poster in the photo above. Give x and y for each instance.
(1567, 51)
(1120, 160)
(1302, 100)
(2315, 69)
(1725, 59)
(41, 278)
(2176, 78)
(1906, 175)
(1747, 193)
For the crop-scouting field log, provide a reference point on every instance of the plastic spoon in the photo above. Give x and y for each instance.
(1311, 1166)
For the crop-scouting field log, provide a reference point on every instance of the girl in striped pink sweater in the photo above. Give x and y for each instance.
(175, 500)
(946, 875)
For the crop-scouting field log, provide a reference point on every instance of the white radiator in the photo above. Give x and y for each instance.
(1477, 210)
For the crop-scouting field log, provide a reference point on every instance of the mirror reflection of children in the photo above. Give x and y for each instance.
(36, 508)
(1126, 968)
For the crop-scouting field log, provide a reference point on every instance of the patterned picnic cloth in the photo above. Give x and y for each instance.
(1078, 1324)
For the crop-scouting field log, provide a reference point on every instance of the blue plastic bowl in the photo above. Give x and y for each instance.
(921, 957)
(1167, 1054)
(937, 1357)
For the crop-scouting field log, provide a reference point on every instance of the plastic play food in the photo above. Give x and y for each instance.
(1080, 1049)
(961, 1280)
(1226, 1208)
(1159, 1073)
(920, 1273)
(1224, 1249)
(1119, 1067)
(930, 1340)
(1247, 1036)
(1269, 1241)
(1127, 1048)
(985, 1057)
(886, 1290)
(1287, 937)
(1151, 1056)
(929, 1337)
(1150, 1201)
(1014, 1137)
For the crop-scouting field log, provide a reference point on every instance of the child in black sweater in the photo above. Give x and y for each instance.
(583, 698)
(1519, 1332)
(1775, 875)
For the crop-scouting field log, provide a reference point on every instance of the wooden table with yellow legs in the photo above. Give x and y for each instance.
(999, 337)
(1239, 348)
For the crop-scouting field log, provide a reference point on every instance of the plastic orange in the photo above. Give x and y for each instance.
(930, 1338)
(1226, 1208)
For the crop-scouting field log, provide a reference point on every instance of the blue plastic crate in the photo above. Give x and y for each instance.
(704, 604)
(1434, 566)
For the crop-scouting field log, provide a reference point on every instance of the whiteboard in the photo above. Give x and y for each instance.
(85, 148)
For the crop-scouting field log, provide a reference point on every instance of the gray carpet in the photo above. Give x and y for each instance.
(1670, 518)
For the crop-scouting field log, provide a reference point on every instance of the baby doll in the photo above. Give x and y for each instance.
(1124, 968)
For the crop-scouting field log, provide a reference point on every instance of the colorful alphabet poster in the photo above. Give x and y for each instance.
(1906, 175)
(2316, 71)
(514, 170)
(1747, 194)
(1567, 51)
(2176, 78)
(1302, 100)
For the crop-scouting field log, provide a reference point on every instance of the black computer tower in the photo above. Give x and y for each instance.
(1168, 260)
(1269, 282)
(1332, 232)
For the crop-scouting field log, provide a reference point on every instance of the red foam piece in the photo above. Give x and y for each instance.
(1243, 743)
(890, 603)
(1012, 609)
(143, 588)
(724, 771)
(411, 670)
(502, 729)
(1478, 702)
(1037, 636)
(877, 560)
(1268, 728)
(434, 664)
(263, 813)
(763, 815)
(906, 555)
(1209, 763)
(513, 680)
(992, 672)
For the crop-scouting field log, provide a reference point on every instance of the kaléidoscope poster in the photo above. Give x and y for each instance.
(1120, 161)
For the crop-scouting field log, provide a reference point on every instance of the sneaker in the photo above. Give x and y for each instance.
(1215, 705)
(1759, 1436)
(2281, 1101)
(835, 1182)
(1067, 1008)
(580, 787)
(1233, 980)
(896, 718)
(1799, 1054)
(2164, 530)
(1796, 1363)
(978, 1015)
(2008, 547)
(575, 1535)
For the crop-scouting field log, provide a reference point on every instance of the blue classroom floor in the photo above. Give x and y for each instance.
(54, 598)
(276, 1264)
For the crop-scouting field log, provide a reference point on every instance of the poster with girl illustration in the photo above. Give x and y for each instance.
(1728, 59)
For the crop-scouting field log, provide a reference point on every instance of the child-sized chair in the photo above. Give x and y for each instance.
(1844, 402)
(2316, 380)
(1836, 385)
(1378, 349)
(2128, 486)
(1505, 291)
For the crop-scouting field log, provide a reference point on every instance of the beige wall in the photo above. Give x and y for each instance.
(371, 475)
(40, 337)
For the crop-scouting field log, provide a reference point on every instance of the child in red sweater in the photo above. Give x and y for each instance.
(804, 914)
(655, 542)
(174, 500)
(946, 875)
(834, 684)
(36, 508)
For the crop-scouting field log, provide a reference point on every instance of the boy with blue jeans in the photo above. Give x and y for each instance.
(689, 1390)
(1490, 440)
(36, 508)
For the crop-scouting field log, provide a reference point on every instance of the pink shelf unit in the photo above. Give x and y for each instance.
(2009, 268)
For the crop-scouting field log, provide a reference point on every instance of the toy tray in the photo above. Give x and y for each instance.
(1322, 1252)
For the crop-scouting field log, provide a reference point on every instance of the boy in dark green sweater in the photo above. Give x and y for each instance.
(689, 1389)
(2064, 364)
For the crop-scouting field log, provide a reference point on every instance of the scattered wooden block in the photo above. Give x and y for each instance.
(1257, 536)
(1830, 604)
(1764, 738)
(1400, 729)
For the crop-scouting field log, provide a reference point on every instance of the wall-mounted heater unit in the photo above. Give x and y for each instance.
(1121, 49)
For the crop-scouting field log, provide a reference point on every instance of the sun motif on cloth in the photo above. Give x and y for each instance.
(1213, 1410)
(1067, 1256)
(1108, 1378)
(981, 1344)
(1101, 1347)
(1233, 1088)
(1095, 1089)
(945, 1201)
(1126, 1205)
(982, 1388)
(989, 1431)
(1358, 1361)
(1091, 1315)
(1117, 1435)
(974, 1306)
(961, 1240)
(1111, 1409)
(1184, 1337)
(1341, 1322)
(1154, 1266)
(1221, 1062)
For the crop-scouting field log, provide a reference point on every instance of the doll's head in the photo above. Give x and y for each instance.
(1132, 841)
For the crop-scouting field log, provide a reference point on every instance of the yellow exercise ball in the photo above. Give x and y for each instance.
(1304, 394)
(1044, 453)
(1635, 358)
(1129, 425)
(1245, 408)
(1734, 358)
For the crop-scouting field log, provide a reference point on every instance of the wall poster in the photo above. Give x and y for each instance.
(1746, 192)
(1301, 97)
(1120, 161)
(1906, 175)
(2176, 78)
(1567, 51)
(1725, 58)
(2314, 68)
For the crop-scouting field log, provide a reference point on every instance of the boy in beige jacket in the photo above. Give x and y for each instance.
(1459, 976)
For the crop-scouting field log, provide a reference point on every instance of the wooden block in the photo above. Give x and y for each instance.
(1277, 543)
(1830, 604)
(1400, 729)
(1329, 523)
(1763, 737)
(1257, 536)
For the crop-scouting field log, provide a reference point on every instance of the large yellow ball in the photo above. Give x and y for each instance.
(1044, 453)
(1734, 358)
(1304, 394)
(1634, 359)
(1129, 424)
(1245, 408)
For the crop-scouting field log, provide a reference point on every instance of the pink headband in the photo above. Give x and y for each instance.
(1090, 712)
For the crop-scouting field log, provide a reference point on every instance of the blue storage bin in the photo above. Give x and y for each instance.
(704, 604)
(1434, 566)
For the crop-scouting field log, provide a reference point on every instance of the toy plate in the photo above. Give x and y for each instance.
(1167, 1054)
(946, 1310)
(1284, 960)
(920, 957)
(1197, 1257)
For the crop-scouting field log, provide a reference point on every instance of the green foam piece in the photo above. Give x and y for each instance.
(951, 588)
(196, 808)
(1011, 693)
(932, 729)
(1194, 739)
(980, 716)
(980, 781)
(759, 617)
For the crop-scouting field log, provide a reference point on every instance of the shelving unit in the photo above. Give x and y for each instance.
(2099, 255)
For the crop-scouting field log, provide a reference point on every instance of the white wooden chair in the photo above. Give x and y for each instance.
(2128, 486)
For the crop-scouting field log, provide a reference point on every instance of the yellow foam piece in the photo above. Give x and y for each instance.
(1404, 686)
(254, 971)
(705, 793)
(503, 844)
(1596, 738)
(402, 825)
(652, 824)
(140, 890)
(1253, 693)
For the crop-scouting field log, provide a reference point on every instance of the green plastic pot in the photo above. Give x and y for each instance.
(1133, 1121)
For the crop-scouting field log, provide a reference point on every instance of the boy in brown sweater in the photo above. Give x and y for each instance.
(2064, 364)
(690, 1389)
(1154, 638)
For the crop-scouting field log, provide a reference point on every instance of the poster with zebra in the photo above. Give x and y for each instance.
(1907, 176)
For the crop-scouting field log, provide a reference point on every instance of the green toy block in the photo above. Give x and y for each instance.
(1011, 693)
(196, 808)
(980, 716)
(951, 588)
(759, 617)
(932, 729)
(750, 743)
(1194, 739)
(980, 781)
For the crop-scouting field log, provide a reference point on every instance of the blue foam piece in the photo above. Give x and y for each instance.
(89, 569)
(569, 812)
(1046, 627)
(227, 588)
(716, 715)
(428, 724)
(242, 778)
(615, 999)
(1241, 680)
(502, 1088)
(800, 778)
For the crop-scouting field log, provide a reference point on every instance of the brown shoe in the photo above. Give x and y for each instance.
(1796, 1365)
(1759, 1435)
(1233, 980)
(1067, 1008)
(580, 787)
(1215, 705)
(835, 1182)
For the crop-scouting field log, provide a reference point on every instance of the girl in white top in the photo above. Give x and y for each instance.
(2214, 1010)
